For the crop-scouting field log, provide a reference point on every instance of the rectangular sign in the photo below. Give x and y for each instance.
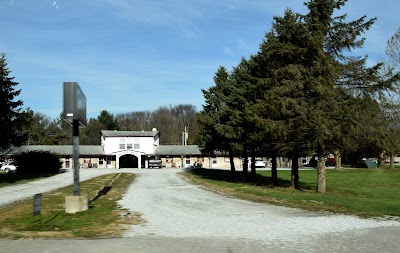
(74, 103)
(37, 204)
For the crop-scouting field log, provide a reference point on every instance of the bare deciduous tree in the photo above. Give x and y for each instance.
(393, 48)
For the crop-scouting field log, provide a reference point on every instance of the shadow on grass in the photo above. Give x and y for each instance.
(103, 191)
(261, 180)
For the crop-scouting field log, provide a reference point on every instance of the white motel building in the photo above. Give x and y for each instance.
(122, 149)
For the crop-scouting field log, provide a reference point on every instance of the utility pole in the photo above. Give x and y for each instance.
(185, 136)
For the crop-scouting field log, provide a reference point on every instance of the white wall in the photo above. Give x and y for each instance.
(147, 144)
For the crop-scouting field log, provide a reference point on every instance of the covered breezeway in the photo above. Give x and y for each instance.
(128, 159)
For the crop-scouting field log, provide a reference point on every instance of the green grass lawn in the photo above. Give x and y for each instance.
(364, 192)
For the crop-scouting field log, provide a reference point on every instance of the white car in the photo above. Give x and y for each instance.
(259, 162)
(8, 167)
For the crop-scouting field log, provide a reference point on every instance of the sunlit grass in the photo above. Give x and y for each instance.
(364, 192)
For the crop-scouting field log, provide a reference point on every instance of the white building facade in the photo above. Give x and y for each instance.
(129, 148)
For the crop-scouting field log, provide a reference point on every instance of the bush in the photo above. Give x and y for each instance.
(41, 162)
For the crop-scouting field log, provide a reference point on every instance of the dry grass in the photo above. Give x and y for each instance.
(103, 219)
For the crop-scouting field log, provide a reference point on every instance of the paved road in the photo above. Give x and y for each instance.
(185, 218)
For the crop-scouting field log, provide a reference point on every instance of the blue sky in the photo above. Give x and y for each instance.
(131, 55)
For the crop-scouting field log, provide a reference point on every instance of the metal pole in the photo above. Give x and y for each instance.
(75, 140)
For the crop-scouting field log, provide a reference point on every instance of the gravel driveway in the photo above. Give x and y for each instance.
(174, 208)
(186, 218)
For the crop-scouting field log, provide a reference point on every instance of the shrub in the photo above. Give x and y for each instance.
(42, 162)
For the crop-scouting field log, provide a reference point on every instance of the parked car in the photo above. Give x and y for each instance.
(259, 162)
(8, 167)
(155, 162)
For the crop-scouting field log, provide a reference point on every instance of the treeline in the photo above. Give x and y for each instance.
(171, 121)
(302, 94)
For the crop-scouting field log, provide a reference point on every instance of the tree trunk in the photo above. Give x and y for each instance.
(274, 170)
(381, 160)
(321, 174)
(233, 171)
(338, 159)
(245, 166)
(392, 156)
(253, 166)
(295, 172)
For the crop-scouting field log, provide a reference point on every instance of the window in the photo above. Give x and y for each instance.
(101, 160)
(67, 163)
(136, 143)
(129, 143)
(169, 159)
(187, 159)
(214, 160)
(121, 143)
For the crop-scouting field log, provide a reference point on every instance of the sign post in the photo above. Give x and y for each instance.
(37, 206)
(75, 140)
(75, 114)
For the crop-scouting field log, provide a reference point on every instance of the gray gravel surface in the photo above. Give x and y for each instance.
(181, 217)
(174, 208)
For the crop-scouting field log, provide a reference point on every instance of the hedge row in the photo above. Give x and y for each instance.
(43, 162)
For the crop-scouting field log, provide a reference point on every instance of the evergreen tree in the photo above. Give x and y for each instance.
(212, 120)
(329, 37)
(107, 119)
(210, 116)
(282, 110)
(239, 128)
(11, 119)
(307, 80)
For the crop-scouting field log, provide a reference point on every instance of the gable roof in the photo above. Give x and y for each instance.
(111, 133)
(177, 150)
(59, 149)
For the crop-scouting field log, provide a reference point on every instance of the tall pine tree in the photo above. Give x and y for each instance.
(11, 119)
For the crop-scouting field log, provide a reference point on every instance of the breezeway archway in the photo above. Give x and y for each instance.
(128, 159)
